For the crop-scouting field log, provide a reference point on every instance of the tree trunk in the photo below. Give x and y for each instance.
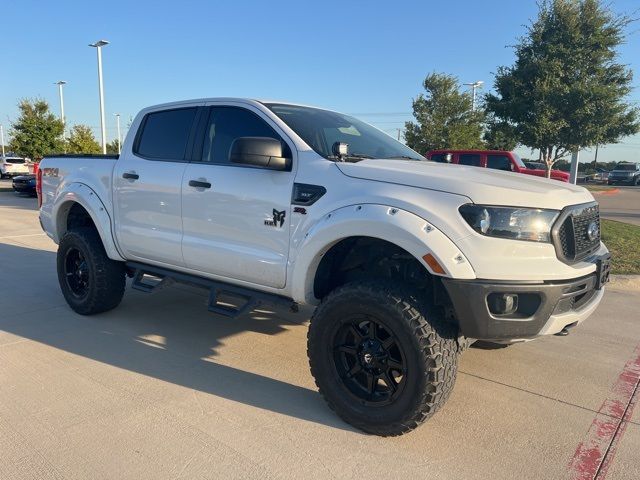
(547, 158)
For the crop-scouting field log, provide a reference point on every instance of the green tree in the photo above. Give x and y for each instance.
(500, 135)
(112, 146)
(82, 140)
(36, 132)
(566, 90)
(444, 118)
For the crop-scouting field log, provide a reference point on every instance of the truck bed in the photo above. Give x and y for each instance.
(60, 171)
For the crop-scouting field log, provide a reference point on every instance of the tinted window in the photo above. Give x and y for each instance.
(320, 129)
(499, 162)
(14, 160)
(629, 167)
(440, 157)
(535, 165)
(472, 159)
(228, 123)
(165, 134)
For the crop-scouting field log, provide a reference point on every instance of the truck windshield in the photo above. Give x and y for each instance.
(518, 160)
(629, 167)
(320, 129)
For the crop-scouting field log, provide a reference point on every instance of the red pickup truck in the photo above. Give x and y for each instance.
(496, 159)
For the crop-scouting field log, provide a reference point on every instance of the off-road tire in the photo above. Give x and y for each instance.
(430, 345)
(105, 277)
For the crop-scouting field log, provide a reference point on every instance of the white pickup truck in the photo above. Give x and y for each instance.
(407, 260)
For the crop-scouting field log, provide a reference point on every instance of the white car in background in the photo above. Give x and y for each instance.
(13, 166)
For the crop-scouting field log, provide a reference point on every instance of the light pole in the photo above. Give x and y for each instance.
(98, 46)
(119, 137)
(474, 86)
(60, 83)
(2, 135)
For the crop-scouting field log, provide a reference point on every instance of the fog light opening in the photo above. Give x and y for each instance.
(503, 303)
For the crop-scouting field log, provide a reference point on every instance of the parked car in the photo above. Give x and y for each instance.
(601, 175)
(406, 260)
(494, 159)
(25, 184)
(11, 166)
(625, 172)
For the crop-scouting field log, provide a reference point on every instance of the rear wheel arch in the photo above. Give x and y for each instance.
(72, 215)
(80, 207)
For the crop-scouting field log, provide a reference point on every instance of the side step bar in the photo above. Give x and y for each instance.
(150, 279)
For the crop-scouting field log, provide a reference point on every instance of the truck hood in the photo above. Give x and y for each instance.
(481, 185)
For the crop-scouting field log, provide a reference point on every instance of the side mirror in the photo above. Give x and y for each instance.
(260, 152)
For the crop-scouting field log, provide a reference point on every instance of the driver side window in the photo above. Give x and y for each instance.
(225, 125)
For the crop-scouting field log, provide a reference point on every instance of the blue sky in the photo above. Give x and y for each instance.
(361, 57)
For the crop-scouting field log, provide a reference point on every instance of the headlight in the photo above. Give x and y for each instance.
(531, 224)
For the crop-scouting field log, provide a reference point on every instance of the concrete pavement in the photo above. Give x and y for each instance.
(161, 389)
(622, 205)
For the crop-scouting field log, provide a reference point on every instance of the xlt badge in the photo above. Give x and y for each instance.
(277, 220)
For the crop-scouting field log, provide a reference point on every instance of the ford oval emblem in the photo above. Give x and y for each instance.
(592, 231)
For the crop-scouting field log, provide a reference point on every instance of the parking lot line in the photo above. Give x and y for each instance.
(594, 455)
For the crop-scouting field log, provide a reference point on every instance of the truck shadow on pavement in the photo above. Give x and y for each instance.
(168, 336)
(17, 201)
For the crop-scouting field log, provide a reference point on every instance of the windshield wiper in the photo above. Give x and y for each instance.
(402, 157)
(356, 157)
(352, 157)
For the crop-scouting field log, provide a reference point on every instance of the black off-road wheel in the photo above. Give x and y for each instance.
(90, 281)
(384, 361)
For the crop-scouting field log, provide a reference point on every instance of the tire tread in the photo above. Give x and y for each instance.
(437, 341)
(108, 282)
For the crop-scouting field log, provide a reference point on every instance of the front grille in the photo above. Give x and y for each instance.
(571, 232)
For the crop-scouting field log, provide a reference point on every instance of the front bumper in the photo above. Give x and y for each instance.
(542, 309)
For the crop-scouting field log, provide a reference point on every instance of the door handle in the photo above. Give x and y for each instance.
(130, 176)
(199, 184)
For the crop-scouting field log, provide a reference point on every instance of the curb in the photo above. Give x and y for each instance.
(613, 191)
(625, 282)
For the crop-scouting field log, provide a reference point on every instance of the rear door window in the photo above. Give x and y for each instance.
(472, 159)
(165, 134)
(499, 162)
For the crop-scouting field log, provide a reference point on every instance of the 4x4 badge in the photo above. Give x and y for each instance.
(277, 220)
